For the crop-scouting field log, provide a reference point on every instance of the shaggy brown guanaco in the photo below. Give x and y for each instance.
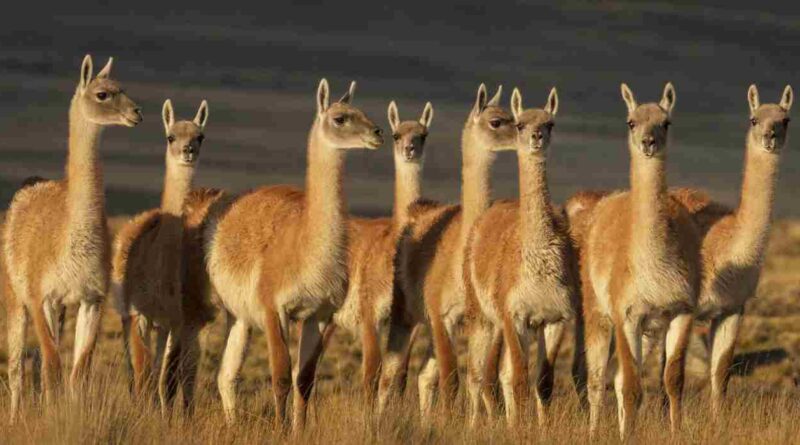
(279, 254)
(149, 264)
(735, 241)
(639, 270)
(56, 241)
(520, 274)
(430, 260)
(373, 245)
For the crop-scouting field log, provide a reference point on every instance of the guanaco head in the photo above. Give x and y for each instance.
(491, 126)
(535, 125)
(342, 125)
(409, 136)
(769, 123)
(102, 100)
(184, 138)
(648, 123)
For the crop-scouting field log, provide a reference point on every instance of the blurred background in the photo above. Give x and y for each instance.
(258, 66)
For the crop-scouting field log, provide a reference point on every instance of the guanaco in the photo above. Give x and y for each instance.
(520, 274)
(373, 246)
(56, 241)
(430, 256)
(278, 254)
(149, 264)
(639, 270)
(735, 241)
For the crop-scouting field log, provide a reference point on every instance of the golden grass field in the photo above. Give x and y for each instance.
(764, 399)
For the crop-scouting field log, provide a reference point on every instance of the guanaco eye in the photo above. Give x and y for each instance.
(753, 121)
(631, 124)
(339, 120)
(170, 139)
(395, 136)
(667, 124)
(102, 95)
(520, 126)
(422, 138)
(495, 123)
(550, 125)
(200, 139)
(786, 121)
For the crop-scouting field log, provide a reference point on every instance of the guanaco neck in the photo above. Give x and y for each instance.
(324, 209)
(406, 189)
(178, 182)
(476, 189)
(84, 175)
(754, 215)
(536, 216)
(648, 204)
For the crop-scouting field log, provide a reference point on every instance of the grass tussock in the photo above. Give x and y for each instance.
(106, 413)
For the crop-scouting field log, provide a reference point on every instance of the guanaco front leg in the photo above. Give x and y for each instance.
(724, 331)
(675, 360)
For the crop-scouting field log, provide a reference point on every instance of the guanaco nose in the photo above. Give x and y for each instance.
(189, 150)
(537, 135)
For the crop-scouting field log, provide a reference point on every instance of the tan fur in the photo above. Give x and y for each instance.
(640, 270)
(521, 271)
(734, 241)
(372, 247)
(278, 254)
(56, 244)
(431, 251)
(149, 269)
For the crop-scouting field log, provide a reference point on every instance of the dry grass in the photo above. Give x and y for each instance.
(764, 402)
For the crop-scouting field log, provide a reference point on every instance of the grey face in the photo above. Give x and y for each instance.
(496, 129)
(348, 127)
(184, 140)
(535, 130)
(768, 128)
(648, 125)
(409, 141)
(105, 103)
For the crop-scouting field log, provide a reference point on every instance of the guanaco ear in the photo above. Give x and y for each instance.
(394, 116)
(496, 99)
(627, 96)
(668, 98)
(323, 97)
(480, 101)
(787, 98)
(348, 96)
(752, 98)
(201, 117)
(427, 115)
(552, 102)
(86, 72)
(106, 71)
(167, 115)
(516, 104)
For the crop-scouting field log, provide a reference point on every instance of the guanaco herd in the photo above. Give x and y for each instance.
(631, 269)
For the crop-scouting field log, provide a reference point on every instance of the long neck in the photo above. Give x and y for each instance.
(84, 174)
(324, 211)
(476, 190)
(648, 202)
(177, 185)
(536, 218)
(406, 189)
(754, 215)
